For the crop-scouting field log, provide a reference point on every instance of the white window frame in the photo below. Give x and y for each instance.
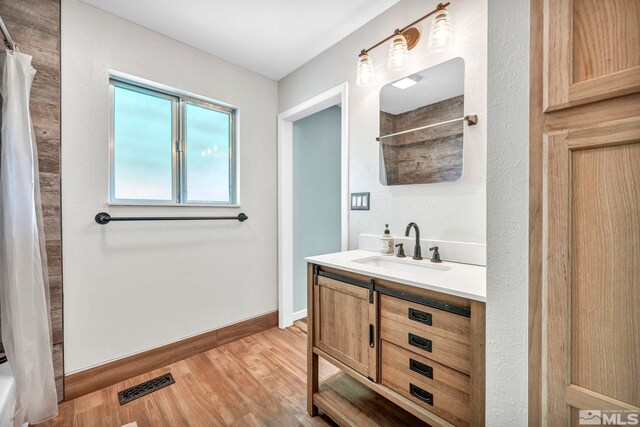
(179, 101)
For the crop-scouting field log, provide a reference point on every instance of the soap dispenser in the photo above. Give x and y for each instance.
(386, 242)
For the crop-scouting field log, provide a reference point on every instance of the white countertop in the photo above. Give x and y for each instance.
(463, 280)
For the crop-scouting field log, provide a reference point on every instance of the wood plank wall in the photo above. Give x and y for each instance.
(428, 155)
(35, 27)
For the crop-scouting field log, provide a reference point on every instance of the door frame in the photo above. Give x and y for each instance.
(335, 96)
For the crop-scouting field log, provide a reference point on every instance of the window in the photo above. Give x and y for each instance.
(170, 149)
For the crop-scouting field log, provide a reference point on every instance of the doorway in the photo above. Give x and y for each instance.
(319, 129)
(316, 195)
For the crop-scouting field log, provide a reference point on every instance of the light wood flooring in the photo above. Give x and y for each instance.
(301, 323)
(259, 380)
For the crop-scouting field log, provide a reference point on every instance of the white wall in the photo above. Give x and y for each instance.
(508, 213)
(448, 211)
(129, 287)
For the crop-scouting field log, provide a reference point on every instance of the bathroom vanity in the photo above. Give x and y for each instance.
(410, 331)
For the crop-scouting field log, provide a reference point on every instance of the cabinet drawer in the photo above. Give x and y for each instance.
(428, 342)
(439, 389)
(426, 319)
(446, 351)
(424, 369)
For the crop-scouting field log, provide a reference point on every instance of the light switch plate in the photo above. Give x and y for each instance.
(359, 201)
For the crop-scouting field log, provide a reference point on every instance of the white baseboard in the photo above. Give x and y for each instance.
(299, 315)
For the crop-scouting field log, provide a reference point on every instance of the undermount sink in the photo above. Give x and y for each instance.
(406, 265)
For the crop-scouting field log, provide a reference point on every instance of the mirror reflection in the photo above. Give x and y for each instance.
(421, 126)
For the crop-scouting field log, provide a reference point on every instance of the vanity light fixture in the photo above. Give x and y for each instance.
(398, 53)
(441, 34)
(405, 39)
(407, 82)
(366, 75)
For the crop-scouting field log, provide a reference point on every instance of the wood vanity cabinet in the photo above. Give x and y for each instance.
(421, 350)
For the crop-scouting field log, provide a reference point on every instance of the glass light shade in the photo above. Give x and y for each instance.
(365, 74)
(441, 34)
(398, 53)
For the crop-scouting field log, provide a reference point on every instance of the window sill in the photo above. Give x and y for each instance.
(176, 205)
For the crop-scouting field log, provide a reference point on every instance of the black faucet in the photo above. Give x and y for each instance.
(417, 251)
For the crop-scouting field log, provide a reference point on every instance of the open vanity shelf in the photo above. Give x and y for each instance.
(350, 403)
(398, 346)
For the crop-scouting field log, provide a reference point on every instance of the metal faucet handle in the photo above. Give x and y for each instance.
(400, 247)
(436, 255)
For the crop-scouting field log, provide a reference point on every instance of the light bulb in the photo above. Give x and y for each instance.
(365, 74)
(398, 53)
(441, 35)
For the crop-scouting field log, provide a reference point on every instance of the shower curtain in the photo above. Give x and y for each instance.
(24, 287)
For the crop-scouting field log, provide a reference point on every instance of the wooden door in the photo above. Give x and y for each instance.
(585, 210)
(345, 324)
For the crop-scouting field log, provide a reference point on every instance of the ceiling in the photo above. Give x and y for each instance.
(270, 37)
(438, 83)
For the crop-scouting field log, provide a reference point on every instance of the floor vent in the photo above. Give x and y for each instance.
(133, 393)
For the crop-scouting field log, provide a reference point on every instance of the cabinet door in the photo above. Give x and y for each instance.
(345, 324)
(591, 51)
(593, 271)
(584, 276)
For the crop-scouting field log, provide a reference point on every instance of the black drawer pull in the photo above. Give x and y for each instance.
(420, 342)
(420, 316)
(371, 336)
(421, 394)
(421, 368)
